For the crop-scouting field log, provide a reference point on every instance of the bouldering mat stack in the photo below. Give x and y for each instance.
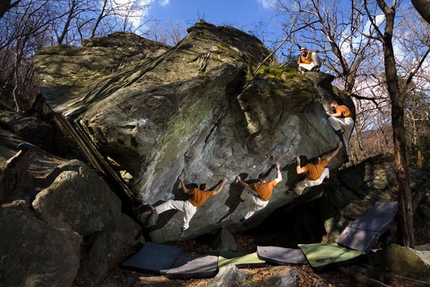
(325, 256)
(193, 266)
(364, 232)
(240, 260)
(281, 255)
(152, 258)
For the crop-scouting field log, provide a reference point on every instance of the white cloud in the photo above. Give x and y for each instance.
(134, 15)
(267, 4)
(164, 2)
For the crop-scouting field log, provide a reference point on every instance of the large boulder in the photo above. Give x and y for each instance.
(198, 110)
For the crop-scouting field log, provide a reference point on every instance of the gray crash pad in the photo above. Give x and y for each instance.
(152, 258)
(364, 232)
(193, 266)
(281, 255)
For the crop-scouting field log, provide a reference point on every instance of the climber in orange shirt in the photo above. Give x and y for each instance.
(342, 122)
(189, 207)
(309, 60)
(260, 192)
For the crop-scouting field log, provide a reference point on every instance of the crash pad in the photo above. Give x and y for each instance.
(194, 266)
(358, 239)
(324, 256)
(152, 258)
(281, 255)
(240, 260)
(364, 232)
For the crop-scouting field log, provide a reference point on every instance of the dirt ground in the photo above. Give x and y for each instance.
(255, 277)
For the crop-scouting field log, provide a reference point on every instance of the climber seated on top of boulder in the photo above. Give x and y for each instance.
(189, 207)
(316, 171)
(309, 60)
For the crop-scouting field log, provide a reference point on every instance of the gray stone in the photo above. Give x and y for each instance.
(101, 253)
(228, 276)
(282, 277)
(95, 207)
(223, 240)
(34, 253)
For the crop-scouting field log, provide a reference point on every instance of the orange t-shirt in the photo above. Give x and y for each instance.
(199, 197)
(264, 190)
(315, 170)
(304, 60)
(345, 112)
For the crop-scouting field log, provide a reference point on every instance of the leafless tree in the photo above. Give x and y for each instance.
(31, 24)
(170, 32)
(21, 36)
(385, 35)
(114, 16)
(359, 50)
(334, 28)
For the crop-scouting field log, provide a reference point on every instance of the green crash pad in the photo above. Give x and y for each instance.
(322, 256)
(241, 260)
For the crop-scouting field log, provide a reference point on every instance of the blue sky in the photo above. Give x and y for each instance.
(213, 11)
(241, 14)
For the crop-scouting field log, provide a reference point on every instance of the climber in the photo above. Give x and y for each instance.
(260, 192)
(189, 207)
(316, 171)
(309, 60)
(342, 122)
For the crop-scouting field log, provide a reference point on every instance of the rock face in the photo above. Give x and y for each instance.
(190, 110)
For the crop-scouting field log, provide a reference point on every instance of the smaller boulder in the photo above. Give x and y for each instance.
(223, 240)
(404, 261)
(228, 276)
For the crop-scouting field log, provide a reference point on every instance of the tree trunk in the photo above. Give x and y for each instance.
(423, 7)
(404, 214)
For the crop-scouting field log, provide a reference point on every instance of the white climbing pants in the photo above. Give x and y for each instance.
(300, 186)
(185, 206)
(257, 202)
(347, 124)
(316, 61)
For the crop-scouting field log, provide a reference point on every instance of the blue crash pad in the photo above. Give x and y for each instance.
(153, 258)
